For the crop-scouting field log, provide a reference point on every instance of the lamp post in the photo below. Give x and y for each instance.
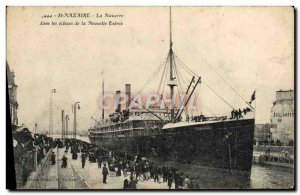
(63, 125)
(67, 118)
(53, 91)
(76, 105)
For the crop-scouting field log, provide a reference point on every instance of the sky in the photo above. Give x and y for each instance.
(252, 48)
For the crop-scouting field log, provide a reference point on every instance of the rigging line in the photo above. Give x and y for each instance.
(186, 93)
(224, 80)
(188, 71)
(178, 79)
(150, 80)
(179, 89)
(221, 78)
(218, 95)
(152, 77)
(164, 83)
(95, 112)
(164, 86)
(197, 94)
(180, 62)
(191, 72)
(148, 110)
(184, 80)
(185, 110)
(97, 115)
(162, 76)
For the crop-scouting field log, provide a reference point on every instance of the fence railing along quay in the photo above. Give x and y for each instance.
(39, 178)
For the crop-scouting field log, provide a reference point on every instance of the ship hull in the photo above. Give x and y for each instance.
(222, 144)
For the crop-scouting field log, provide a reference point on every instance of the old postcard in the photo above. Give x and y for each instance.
(150, 98)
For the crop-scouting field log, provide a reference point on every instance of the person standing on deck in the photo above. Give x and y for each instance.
(104, 173)
(240, 113)
(232, 114)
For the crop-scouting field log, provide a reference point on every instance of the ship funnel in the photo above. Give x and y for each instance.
(128, 94)
(118, 100)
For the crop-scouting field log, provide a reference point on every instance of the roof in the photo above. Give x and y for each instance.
(285, 90)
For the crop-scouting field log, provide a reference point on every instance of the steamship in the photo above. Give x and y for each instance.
(224, 141)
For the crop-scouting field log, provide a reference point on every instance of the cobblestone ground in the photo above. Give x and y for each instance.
(63, 178)
(52, 177)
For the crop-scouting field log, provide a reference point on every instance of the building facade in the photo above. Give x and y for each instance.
(282, 117)
(12, 92)
(263, 133)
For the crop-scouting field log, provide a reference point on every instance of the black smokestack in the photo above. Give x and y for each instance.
(118, 99)
(128, 94)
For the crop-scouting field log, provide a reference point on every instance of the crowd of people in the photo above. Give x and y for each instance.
(133, 168)
(237, 114)
(25, 147)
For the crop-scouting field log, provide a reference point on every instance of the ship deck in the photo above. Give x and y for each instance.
(188, 124)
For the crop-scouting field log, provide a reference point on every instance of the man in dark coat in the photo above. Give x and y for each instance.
(64, 162)
(170, 179)
(165, 172)
(104, 173)
(181, 179)
(156, 172)
(176, 179)
(132, 184)
(126, 184)
(53, 158)
(83, 158)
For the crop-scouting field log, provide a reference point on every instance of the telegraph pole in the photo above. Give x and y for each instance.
(62, 125)
(51, 112)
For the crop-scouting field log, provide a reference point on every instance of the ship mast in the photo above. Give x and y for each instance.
(171, 83)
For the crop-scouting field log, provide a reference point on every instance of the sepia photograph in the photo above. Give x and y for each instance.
(151, 97)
